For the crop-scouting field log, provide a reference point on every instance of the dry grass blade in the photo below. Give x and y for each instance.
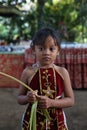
(13, 78)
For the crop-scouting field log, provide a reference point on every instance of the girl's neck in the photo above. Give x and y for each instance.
(44, 66)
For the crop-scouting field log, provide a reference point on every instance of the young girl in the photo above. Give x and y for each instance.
(51, 81)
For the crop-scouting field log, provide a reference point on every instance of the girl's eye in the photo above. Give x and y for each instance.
(51, 49)
(41, 48)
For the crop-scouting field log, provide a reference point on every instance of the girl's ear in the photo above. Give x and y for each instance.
(33, 50)
(58, 53)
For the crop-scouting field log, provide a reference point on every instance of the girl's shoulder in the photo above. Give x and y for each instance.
(62, 71)
(27, 72)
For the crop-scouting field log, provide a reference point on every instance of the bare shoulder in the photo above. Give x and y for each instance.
(27, 72)
(62, 71)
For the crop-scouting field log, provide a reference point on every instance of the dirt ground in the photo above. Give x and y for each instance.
(11, 112)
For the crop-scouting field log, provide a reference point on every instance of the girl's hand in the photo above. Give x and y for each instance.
(43, 102)
(30, 97)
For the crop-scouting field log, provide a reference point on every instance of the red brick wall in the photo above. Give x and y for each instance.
(12, 64)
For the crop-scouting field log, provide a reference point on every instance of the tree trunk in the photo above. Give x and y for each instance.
(40, 5)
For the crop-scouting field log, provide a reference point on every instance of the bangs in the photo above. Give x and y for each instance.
(41, 36)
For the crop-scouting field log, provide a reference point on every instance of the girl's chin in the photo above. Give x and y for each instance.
(46, 64)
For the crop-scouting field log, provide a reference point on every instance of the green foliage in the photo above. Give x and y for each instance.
(66, 16)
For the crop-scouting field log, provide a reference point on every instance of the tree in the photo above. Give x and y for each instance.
(66, 16)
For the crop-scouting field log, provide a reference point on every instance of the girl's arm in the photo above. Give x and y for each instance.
(25, 96)
(68, 99)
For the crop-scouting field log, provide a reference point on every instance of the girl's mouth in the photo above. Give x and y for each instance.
(46, 58)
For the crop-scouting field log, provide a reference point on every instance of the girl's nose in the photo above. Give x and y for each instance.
(46, 51)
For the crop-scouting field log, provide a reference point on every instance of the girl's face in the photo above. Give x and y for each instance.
(47, 53)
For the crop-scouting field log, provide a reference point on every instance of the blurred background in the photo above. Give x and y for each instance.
(20, 19)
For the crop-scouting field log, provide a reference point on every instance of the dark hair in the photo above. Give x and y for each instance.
(41, 36)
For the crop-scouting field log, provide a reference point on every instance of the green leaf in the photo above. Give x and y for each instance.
(46, 114)
(33, 116)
